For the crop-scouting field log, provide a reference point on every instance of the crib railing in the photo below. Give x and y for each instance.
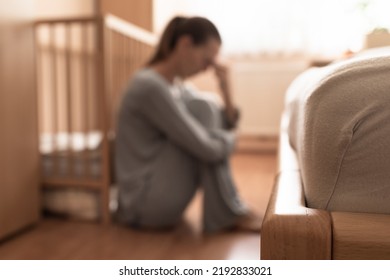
(83, 65)
(128, 48)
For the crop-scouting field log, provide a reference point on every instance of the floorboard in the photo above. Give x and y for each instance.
(55, 238)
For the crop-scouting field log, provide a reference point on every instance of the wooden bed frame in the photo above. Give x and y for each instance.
(83, 65)
(293, 231)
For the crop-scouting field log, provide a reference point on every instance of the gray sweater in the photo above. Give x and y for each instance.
(149, 117)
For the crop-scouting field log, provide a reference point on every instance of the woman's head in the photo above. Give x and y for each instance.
(193, 42)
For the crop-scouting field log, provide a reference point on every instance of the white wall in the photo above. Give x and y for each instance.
(64, 8)
(164, 10)
(258, 88)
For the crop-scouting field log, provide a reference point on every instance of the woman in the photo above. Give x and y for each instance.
(170, 140)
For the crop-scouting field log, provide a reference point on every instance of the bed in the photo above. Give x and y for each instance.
(331, 198)
(83, 65)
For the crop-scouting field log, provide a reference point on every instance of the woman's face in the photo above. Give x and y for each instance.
(197, 58)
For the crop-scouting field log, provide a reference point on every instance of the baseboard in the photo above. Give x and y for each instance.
(257, 144)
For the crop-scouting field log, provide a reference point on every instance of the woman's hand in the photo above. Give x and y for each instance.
(231, 112)
(222, 72)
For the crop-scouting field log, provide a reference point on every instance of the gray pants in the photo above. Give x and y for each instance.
(177, 176)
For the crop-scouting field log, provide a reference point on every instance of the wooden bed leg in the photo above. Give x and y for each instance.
(290, 229)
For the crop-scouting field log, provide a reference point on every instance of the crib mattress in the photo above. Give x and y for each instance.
(73, 155)
(76, 165)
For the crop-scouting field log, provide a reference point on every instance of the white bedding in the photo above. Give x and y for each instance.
(76, 141)
(56, 161)
(86, 149)
(339, 125)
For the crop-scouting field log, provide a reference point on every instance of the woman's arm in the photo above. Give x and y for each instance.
(231, 112)
(157, 105)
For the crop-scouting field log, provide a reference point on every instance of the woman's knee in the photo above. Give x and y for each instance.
(207, 112)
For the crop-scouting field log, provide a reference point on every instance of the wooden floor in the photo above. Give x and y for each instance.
(61, 239)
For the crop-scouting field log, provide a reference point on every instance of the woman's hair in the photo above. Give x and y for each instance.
(198, 28)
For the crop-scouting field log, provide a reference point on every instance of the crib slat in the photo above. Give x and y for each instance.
(110, 64)
(135, 54)
(68, 79)
(54, 95)
(85, 101)
(104, 116)
(122, 69)
(114, 64)
(127, 56)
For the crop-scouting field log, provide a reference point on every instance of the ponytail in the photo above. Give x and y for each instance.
(198, 28)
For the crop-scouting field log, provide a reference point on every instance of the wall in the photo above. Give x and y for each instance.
(19, 165)
(164, 10)
(258, 88)
(64, 8)
(138, 12)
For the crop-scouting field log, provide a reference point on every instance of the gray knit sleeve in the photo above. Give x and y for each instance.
(156, 104)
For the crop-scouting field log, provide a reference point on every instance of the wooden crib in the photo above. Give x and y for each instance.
(83, 65)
